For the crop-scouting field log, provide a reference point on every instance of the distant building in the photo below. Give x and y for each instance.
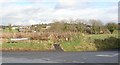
(15, 27)
(47, 27)
(24, 29)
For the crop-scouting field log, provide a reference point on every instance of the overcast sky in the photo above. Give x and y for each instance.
(27, 12)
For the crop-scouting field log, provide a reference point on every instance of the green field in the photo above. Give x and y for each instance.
(35, 45)
(79, 43)
(9, 31)
(92, 43)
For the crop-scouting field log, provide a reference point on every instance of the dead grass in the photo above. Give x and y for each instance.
(70, 41)
(40, 36)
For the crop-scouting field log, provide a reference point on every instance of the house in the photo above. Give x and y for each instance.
(15, 27)
(24, 29)
(47, 27)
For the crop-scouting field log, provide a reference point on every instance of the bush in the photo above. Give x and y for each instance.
(108, 43)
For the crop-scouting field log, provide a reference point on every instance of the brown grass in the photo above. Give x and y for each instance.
(40, 36)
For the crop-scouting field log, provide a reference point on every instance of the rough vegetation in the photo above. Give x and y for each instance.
(72, 35)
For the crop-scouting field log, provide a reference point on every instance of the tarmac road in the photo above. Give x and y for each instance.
(61, 57)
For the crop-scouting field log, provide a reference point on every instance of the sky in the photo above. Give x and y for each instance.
(28, 12)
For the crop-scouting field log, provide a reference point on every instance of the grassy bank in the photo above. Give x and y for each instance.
(78, 42)
(92, 43)
(32, 45)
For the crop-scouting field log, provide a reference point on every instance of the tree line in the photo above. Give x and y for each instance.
(91, 27)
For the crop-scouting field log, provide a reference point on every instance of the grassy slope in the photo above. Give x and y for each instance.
(88, 43)
(28, 46)
(79, 43)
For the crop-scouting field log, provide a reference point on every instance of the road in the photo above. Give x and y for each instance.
(60, 57)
